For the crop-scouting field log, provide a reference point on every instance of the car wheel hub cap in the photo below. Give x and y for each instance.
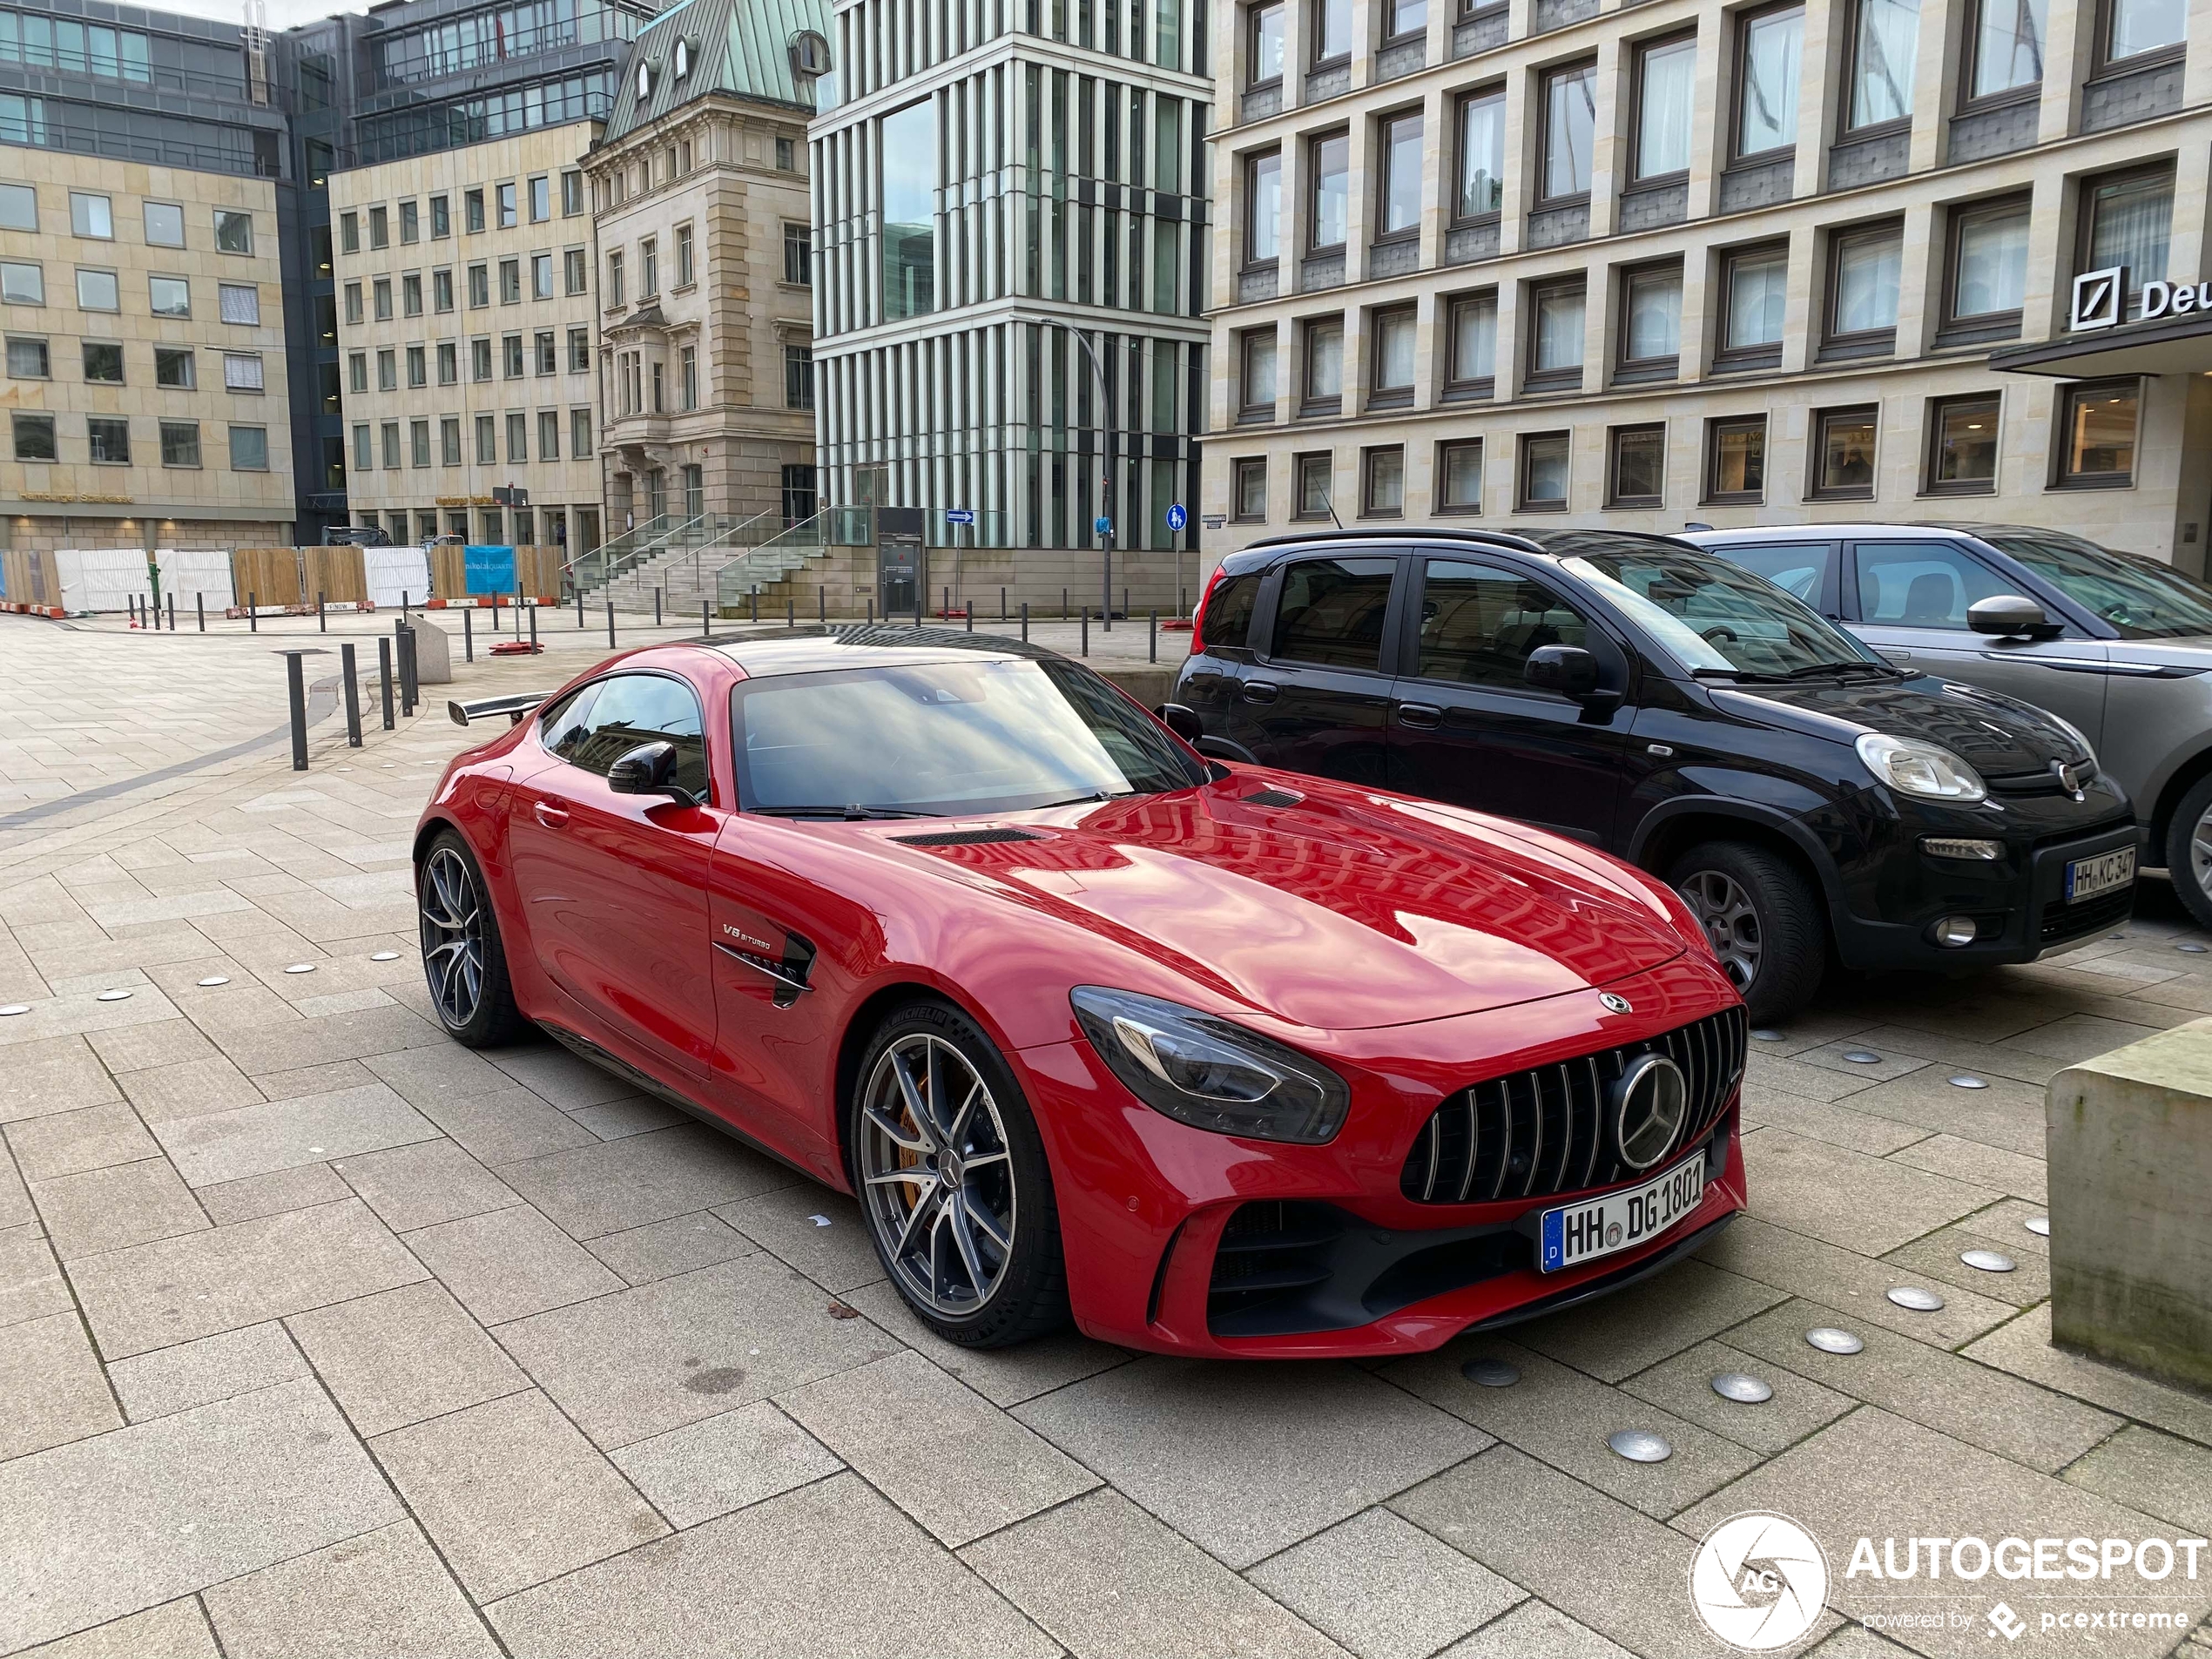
(1732, 925)
(936, 1176)
(2201, 852)
(452, 915)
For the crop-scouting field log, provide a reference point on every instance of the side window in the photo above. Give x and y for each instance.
(632, 709)
(1921, 584)
(1800, 568)
(565, 726)
(1479, 623)
(1329, 612)
(1228, 611)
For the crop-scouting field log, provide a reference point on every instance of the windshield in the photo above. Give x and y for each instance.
(1712, 615)
(945, 737)
(2143, 600)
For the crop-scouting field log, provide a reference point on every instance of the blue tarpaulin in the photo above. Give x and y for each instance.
(491, 570)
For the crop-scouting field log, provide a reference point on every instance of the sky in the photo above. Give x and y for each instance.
(283, 14)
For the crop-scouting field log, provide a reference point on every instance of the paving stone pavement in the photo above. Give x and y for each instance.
(321, 1335)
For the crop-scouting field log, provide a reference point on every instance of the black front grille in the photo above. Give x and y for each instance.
(2045, 782)
(1547, 1130)
(2064, 920)
(1272, 1252)
(968, 837)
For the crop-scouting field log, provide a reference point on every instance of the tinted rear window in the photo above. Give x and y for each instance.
(1330, 612)
(1228, 611)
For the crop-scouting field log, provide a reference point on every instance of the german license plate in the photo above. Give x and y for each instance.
(2107, 872)
(1575, 1233)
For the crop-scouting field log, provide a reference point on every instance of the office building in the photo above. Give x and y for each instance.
(1643, 264)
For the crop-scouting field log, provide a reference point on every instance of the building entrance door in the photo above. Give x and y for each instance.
(899, 571)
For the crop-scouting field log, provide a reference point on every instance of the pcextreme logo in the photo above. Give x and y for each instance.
(1759, 1581)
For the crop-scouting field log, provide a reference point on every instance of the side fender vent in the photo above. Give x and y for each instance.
(968, 838)
(1273, 798)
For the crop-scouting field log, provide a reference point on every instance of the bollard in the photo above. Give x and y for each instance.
(1086, 630)
(1002, 604)
(756, 604)
(657, 595)
(352, 696)
(948, 612)
(1152, 639)
(1025, 621)
(468, 630)
(871, 611)
(172, 613)
(1063, 605)
(295, 688)
(200, 609)
(821, 606)
(579, 609)
(322, 620)
(971, 616)
(533, 627)
(706, 619)
(130, 606)
(404, 597)
(791, 613)
(253, 613)
(384, 677)
(410, 690)
(494, 614)
(611, 624)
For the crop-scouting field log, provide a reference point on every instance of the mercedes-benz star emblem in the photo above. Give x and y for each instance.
(1650, 1101)
(1616, 1004)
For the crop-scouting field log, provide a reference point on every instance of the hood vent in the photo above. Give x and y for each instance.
(968, 838)
(1273, 798)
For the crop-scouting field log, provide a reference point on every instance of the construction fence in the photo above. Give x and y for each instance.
(277, 578)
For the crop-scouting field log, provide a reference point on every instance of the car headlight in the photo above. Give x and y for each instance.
(1926, 770)
(1209, 1072)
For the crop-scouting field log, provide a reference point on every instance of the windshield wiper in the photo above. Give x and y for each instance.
(1091, 799)
(853, 812)
(1810, 668)
(1738, 674)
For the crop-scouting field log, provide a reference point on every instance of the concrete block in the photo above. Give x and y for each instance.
(2131, 1233)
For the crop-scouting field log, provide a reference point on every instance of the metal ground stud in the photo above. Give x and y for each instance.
(1828, 1339)
(1639, 1445)
(1491, 1373)
(1742, 1387)
(1988, 1261)
(1916, 1297)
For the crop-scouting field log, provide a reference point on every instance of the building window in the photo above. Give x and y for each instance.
(571, 194)
(380, 299)
(249, 449)
(798, 377)
(364, 456)
(103, 361)
(1391, 372)
(1769, 48)
(242, 371)
(449, 363)
(1329, 195)
(110, 440)
(2133, 27)
(28, 360)
(411, 294)
(786, 156)
(486, 440)
(387, 371)
(21, 285)
(379, 227)
(1543, 471)
(1382, 482)
(441, 219)
(518, 438)
(418, 440)
(1635, 471)
(34, 436)
(472, 207)
(799, 254)
(1262, 207)
(172, 367)
(510, 282)
(164, 225)
(2097, 436)
(480, 359)
(580, 440)
(2128, 223)
(1570, 130)
(579, 351)
(1754, 285)
(684, 256)
(541, 276)
(1398, 199)
(180, 443)
(349, 233)
(1472, 346)
(505, 197)
(1735, 459)
(1322, 392)
(1264, 44)
(1482, 153)
(98, 291)
(410, 223)
(233, 232)
(1331, 25)
(449, 441)
(1843, 453)
(1651, 323)
(548, 434)
(510, 351)
(1251, 485)
(801, 501)
(1886, 42)
(688, 380)
(1666, 93)
(92, 216)
(540, 200)
(1556, 321)
(546, 349)
(1962, 446)
(1257, 387)
(18, 207)
(1985, 274)
(1459, 472)
(909, 138)
(1315, 486)
(573, 271)
(1863, 272)
(442, 289)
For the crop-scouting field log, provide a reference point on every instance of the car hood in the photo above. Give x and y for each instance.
(1344, 912)
(1998, 736)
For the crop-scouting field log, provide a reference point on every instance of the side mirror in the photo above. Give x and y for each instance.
(1183, 722)
(649, 769)
(1567, 670)
(2010, 613)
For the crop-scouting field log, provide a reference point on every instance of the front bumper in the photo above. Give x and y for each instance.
(1180, 1241)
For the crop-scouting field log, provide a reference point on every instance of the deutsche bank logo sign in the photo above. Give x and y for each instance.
(2098, 297)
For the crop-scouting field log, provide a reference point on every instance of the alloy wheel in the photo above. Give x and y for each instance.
(1725, 911)
(935, 1174)
(453, 936)
(2201, 851)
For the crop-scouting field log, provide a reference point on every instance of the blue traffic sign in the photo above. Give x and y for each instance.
(960, 514)
(1103, 524)
(1177, 517)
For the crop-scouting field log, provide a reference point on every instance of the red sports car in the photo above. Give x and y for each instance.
(1217, 1061)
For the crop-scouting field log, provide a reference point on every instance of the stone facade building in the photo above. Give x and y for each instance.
(145, 388)
(466, 338)
(1638, 265)
(706, 266)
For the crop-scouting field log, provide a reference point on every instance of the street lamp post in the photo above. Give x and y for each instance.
(1105, 483)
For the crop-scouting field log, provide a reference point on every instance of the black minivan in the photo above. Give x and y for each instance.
(1806, 798)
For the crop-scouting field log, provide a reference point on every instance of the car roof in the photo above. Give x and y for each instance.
(1821, 531)
(818, 649)
(1549, 540)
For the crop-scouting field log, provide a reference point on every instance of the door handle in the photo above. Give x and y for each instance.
(551, 817)
(1422, 717)
(1260, 691)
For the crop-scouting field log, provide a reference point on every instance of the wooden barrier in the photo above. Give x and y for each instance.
(31, 578)
(269, 575)
(339, 574)
(537, 573)
(448, 573)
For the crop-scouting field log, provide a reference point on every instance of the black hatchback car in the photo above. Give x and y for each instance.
(1672, 708)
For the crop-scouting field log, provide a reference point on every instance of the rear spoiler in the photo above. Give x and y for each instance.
(514, 707)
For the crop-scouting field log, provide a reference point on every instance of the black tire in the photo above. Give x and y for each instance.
(1774, 944)
(487, 1019)
(1026, 1294)
(2191, 878)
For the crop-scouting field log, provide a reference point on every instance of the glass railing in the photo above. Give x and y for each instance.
(786, 551)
